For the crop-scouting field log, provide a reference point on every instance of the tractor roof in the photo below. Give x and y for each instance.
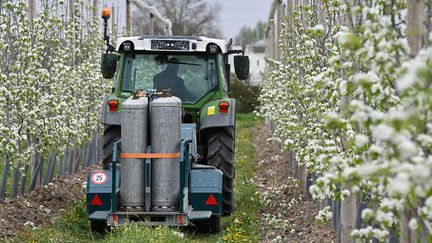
(170, 43)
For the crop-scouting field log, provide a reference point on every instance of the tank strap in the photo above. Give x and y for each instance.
(150, 156)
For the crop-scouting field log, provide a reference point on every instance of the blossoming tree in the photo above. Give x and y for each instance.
(50, 86)
(351, 95)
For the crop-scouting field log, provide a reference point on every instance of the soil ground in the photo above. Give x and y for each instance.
(39, 207)
(286, 214)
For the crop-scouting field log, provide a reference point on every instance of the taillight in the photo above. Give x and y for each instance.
(113, 105)
(96, 201)
(211, 201)
(223, 106)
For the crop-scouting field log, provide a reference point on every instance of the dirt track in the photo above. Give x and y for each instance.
(286, 214)
(41, 206)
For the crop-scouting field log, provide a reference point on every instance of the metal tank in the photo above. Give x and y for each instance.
(165, 126)
(134, 140)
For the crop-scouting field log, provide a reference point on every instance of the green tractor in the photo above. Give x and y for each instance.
(194, 69)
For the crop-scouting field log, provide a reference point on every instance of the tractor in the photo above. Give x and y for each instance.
(169, 132)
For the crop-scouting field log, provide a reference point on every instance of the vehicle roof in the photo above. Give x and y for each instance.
(144, 42)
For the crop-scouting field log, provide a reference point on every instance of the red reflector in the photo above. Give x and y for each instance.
(211, 201)
(113, 105)
(223, 105)
(114, 218)
(180, 219)
(96, 201)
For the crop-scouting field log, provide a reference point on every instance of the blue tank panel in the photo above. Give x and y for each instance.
(188, 131)
(205, 180)
(205, 189)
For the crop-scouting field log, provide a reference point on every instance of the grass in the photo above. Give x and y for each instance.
(71, 226)
(242, 226)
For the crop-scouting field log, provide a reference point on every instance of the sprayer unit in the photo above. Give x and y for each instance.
(153, 178)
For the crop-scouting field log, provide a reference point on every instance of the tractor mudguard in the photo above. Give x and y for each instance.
(211, 115)
(107, 117)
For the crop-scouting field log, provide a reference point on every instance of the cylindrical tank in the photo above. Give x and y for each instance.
(134, 140)
(165, 126)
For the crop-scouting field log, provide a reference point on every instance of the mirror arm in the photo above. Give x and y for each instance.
(110, 48)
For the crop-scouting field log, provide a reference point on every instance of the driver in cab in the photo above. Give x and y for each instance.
(168, 79)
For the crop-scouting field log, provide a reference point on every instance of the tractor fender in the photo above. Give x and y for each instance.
(211, 115)
(109, 118)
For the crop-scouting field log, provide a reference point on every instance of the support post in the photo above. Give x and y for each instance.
(31, 4)
(278, 31)
(151, 24)
(95, 8)
(414, 25)
(113, 22)
(128, 17)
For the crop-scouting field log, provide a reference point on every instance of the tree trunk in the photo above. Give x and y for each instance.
(348, 216)
(406, 234)
(414, 25)
(302, 176)
(348, 205)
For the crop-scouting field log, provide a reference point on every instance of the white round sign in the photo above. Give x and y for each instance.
(99, 178)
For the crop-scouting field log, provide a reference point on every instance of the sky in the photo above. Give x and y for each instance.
(238, 13)
(234, 13)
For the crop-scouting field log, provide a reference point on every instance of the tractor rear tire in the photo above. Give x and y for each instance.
(111, 133)
(98, 226)
(210, 226)
(220, 154)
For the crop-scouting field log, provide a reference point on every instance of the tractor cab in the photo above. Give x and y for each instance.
(194, 69)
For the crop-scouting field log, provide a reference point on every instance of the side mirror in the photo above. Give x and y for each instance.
(108, 65)
(241, 66)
